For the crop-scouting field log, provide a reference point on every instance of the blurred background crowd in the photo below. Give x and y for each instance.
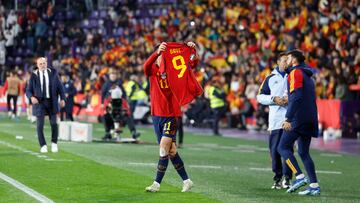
(238, 41)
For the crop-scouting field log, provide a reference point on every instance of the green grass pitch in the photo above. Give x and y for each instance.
(223, 170)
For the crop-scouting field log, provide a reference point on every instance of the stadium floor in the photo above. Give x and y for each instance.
(344, 146)
(223, 169)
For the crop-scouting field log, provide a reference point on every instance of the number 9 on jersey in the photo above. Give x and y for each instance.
(179, 66)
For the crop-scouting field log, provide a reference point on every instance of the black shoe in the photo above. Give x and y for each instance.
(136, 135)
(286, 183)
(276, 185)
(106, 138)
(118, 131)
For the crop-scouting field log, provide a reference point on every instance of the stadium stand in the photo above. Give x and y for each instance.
(238, 40)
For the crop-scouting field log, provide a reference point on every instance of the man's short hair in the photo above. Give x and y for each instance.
(298, 54)
(281, 54)
(40, 58)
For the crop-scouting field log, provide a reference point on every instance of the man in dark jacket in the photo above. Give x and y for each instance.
(44, 90)
(70, 92)
(301, 122)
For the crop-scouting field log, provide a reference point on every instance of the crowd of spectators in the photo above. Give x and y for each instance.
(237, 40)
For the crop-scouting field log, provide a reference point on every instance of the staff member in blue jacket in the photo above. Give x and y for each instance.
(301, 122)
(273, 93)
(70, 92)
(44, 90)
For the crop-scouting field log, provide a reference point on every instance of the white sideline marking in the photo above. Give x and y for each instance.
(238, 148)
(263, 149)
(191, 166)
(330, 155)
(36, 154)
(59, 160)
(244, 151)
(330, 172)
(143, 164)
(318, 171)
(200, 149)
(41, 156)
(24, 188)
(205, 166)
(260, 169)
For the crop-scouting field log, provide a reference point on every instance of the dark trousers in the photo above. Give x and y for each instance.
(285, 149)
(278, 166)
(131, 124)
(180, 130)
(108, 124)
(67, 113)
(79, 108)
(218, 114)
(46, 105)
(14, 99)
(132, 105)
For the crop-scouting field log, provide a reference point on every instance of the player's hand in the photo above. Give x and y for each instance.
(62, 103)
(34, 100)
(278, 101)
(286, 126)
(191, 44)
(285, 100)
(161, 48)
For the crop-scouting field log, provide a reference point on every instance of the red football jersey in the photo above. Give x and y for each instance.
(178, 60)
(163, 102)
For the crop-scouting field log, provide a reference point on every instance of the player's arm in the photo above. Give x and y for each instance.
(152, 59)
(194, 58)
(149, 62)
(295, 94)
(264, 95)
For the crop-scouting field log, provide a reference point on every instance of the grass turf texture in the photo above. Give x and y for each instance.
(98, 172)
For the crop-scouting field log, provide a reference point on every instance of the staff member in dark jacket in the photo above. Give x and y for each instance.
(70, 92)
(44, 90)
(301, 123)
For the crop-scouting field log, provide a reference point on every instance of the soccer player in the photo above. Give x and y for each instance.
(301, 122)
(273, 93)
(12, 88)
(165, 110)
